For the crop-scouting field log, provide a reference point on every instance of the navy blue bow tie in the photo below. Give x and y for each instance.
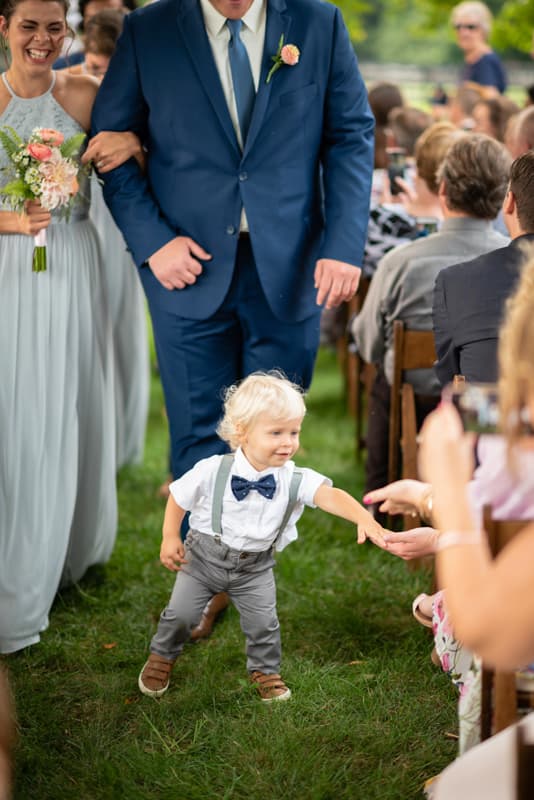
(266, 486)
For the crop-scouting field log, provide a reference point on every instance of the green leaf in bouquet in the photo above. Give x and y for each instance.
(10, 140)
(73, 145)
(17, 191)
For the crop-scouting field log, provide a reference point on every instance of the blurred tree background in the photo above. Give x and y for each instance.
(418, 31)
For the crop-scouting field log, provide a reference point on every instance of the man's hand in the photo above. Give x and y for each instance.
(175, 265)
(335, 281)
(110, 149)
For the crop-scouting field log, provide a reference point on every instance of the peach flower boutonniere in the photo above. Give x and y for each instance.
(287, 55)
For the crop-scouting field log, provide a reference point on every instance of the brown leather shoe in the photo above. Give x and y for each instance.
(218, 603)
(270, 687)
(155, 675)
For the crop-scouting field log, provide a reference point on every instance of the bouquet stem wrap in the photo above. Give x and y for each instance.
(39, 252)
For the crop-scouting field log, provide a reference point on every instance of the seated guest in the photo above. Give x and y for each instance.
(491, 116)
(88, 8)
(383, 97)
(520, 132)
(406, 125)
(490, 601)
(391, 224)
(469, 298)
(472, 184)
(100, 39)
(462, 104)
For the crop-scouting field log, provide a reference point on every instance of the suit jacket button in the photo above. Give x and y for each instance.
(243, 176)
(230, 230)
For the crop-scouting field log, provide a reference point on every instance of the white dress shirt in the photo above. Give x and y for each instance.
(252, 36)
(250, 524)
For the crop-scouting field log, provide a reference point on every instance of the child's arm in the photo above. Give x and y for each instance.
(336, 501)
(172, 552)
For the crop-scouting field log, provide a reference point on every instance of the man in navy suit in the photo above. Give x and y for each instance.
(469, 298)
(242, 230)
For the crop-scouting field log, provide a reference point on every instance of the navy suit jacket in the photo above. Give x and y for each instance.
(468, 309)
(303, 177)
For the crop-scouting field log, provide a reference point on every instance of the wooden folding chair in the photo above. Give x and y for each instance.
(412, 350)
(500, 697)
(524, 766)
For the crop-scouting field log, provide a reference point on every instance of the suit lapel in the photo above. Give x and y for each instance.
(277, 24)
(191, 23)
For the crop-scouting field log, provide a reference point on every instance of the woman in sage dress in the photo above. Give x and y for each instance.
(123, 288)
(58, 511)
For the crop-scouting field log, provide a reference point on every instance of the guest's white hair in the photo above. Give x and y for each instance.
(475, 11)
(269, 393)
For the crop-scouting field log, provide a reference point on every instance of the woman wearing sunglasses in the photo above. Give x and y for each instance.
(472, 23)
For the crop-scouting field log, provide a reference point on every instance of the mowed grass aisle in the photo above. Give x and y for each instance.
(369, 712)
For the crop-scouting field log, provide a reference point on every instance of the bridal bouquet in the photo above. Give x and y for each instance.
(46, 169)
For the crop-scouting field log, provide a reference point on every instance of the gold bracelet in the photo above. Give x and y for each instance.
(458, 538)
(427, 504)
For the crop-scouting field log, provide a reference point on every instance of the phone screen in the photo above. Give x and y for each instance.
(477, 405)
(396, 167)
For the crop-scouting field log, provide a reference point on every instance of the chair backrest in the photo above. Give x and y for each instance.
(499, 693)
(348, 360)
(411, 350)
(524, 766)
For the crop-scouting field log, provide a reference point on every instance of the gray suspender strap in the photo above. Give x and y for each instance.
(294, 486)
(220, 484)
(218, 492)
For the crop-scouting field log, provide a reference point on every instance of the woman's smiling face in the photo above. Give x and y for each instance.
(35, 33)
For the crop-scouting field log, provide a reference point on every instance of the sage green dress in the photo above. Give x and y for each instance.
(58, 510)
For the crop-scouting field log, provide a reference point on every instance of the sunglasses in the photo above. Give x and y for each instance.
(466, 26)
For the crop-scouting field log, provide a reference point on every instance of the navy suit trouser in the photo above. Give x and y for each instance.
(198, 359)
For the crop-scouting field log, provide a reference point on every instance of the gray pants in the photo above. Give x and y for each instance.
(249, 580)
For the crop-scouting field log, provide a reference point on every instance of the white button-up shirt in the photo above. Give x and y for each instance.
(250, 524)
(252, 36)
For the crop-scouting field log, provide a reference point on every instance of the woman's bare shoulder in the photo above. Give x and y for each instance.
(76, 93)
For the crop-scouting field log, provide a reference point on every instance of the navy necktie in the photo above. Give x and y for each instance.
(244, 91)
(266, 486)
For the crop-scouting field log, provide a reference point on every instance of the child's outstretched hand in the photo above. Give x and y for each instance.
(373, 531)
(172, 553)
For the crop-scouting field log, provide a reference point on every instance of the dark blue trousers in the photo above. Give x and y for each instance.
(198, 359)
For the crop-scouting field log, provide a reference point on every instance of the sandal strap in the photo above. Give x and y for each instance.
(263, 681)
(158, 667)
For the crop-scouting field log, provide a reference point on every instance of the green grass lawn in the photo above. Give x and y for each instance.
(369, 713)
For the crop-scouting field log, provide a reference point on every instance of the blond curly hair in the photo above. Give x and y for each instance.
(269, 393)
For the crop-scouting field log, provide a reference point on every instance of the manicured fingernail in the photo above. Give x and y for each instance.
(366, 499)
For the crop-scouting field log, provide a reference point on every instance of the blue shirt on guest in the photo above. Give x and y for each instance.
(487, 71)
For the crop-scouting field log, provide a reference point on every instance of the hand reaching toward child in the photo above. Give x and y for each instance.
(341, 504)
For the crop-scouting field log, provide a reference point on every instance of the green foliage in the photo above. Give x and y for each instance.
(514, 26)
(354, 12)
(419, 31)
(10, 140)
(72, 146)
(18, 190)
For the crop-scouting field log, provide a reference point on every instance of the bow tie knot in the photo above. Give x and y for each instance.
(266, 486)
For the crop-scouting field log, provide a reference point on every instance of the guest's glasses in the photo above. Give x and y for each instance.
(468, 26)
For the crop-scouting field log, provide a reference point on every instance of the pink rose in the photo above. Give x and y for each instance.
(39, 151)
(290, 54)
(51, 136)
